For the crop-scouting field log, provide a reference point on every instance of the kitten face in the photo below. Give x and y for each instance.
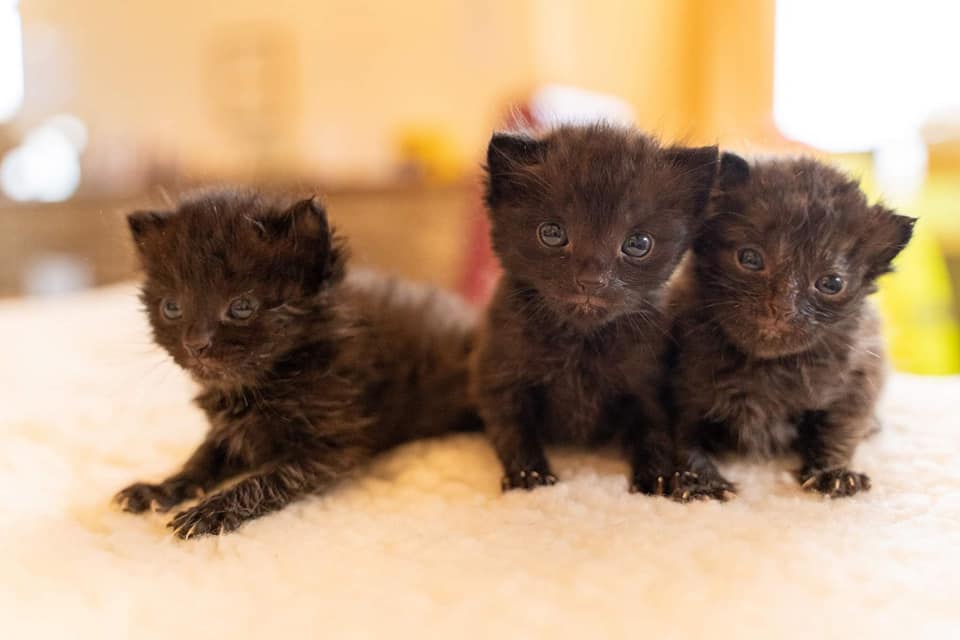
(790, 251)
(224, 276)
(594, 219)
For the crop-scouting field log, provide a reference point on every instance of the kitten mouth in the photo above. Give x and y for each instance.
(587, 304)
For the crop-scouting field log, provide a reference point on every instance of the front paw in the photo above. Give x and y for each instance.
(527, 479)
(141, 496)
(687, 486)
(839, 482)
(210, 517)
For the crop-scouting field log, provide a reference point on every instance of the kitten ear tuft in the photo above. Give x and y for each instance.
(889, 234)
(734, 171)
(507, 155)
(147, 224)
(699, 165)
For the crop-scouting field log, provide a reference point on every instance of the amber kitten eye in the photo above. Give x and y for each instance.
(552, 234)
(831, 284)
(242, 308)
(750, 259)
(171, 309)
(637, 245)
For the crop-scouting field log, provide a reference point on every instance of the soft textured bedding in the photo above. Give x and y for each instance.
(424, 544)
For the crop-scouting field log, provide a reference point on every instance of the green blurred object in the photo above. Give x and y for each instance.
(917, 301)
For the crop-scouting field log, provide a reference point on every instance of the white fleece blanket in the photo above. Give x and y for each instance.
(424, 544)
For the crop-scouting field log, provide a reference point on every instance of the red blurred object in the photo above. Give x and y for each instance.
(481, 270)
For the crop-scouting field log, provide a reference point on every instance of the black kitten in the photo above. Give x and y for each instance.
(778, 348)
(305, 373)
(588, 223)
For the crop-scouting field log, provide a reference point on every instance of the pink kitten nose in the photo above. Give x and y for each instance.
(197, 345)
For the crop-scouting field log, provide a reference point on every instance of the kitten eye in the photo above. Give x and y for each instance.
(171, 309)
(552, 234)
(242, 308)
(750, 259)
(637, 245)
(830, 284)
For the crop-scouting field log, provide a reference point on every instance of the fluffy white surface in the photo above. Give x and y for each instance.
(424, 544)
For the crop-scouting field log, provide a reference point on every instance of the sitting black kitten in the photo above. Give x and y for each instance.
(779, 349)
(588, 223)
(305, 372)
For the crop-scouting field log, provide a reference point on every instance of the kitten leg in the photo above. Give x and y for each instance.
(262, 493)
(207, 467)
(649, 445)
(826, 441)
(511, 425)
(698, 476)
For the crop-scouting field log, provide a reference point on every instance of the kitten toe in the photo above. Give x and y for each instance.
(207, 518)
(688, 486)
(527, 479)
(162, 497)
(143, 496)
(835, 483)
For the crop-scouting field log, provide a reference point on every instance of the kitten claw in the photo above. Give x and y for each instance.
(660, 489)
(527, 479)
(838, 482)
(211, 517)
(692, 486)
(162, 497)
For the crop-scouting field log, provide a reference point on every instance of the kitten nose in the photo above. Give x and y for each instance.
(591, 282)
(196, 345)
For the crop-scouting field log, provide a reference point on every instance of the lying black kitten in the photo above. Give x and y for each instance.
(588, 223)
(779, 349)
(305, 373)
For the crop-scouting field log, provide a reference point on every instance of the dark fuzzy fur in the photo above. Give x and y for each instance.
(767, 364)
(548, 370)
(329, 371)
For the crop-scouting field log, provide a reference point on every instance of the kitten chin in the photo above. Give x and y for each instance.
(589, 224)
(305, 371)
(774, 326)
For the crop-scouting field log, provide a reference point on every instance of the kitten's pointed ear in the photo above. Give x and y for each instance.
(304, 220)
(734, 171)
(699, 165)
(308, 219)
(145, 226)
(507, 155)
(888, 235)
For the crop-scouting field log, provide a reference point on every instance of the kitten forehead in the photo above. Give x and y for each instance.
(799, 203)
(603, 174)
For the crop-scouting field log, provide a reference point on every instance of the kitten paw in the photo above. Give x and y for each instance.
(527, 479)
(210, 517)
(687, 486)
(162, 497)
(836, 483)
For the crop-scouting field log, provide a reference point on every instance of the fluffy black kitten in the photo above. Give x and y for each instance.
(779, 349)
(305, 372)
(588, 223)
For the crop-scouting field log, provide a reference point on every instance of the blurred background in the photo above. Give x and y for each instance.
(385, 108)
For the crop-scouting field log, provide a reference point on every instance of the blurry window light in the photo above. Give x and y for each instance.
(11, 60)
(856, 75)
